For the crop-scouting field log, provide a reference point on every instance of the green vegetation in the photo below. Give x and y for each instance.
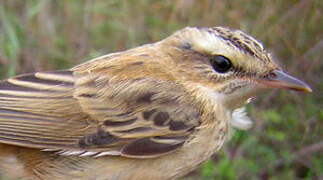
(286, 141)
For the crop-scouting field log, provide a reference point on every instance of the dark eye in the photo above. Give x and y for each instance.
(220, 63)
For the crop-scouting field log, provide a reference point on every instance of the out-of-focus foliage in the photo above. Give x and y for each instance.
(286, 142)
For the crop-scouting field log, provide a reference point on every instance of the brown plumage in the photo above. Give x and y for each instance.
(153, 112)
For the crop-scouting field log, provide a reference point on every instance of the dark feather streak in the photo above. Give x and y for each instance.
(177, 125)
(34, 79)
(99, 138)
(147, 147)
(146, 98)
(119, 123)
(161, 118)
(147, 114)
(136, 130)
(5, 85)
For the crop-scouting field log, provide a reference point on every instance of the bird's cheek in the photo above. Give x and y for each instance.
(240, 95)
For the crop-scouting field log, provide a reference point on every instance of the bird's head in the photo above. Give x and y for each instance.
(228, 65)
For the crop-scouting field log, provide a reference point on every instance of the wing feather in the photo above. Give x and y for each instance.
(137, 111)
(34, 107)
(89, 114)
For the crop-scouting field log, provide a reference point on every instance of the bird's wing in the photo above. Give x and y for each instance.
(36, 108)
(93, 114)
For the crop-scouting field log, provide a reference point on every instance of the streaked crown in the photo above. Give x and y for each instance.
(245, 52)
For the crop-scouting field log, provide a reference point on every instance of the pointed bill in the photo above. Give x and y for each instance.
(279, 79)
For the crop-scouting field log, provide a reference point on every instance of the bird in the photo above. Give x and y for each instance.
(157, 111)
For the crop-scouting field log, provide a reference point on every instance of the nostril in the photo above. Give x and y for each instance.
(272, 75)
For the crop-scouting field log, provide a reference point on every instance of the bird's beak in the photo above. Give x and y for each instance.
(279, 79)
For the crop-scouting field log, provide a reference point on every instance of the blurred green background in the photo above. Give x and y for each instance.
(286, 141)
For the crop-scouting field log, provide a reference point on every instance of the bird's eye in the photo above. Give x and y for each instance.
(220, 63)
